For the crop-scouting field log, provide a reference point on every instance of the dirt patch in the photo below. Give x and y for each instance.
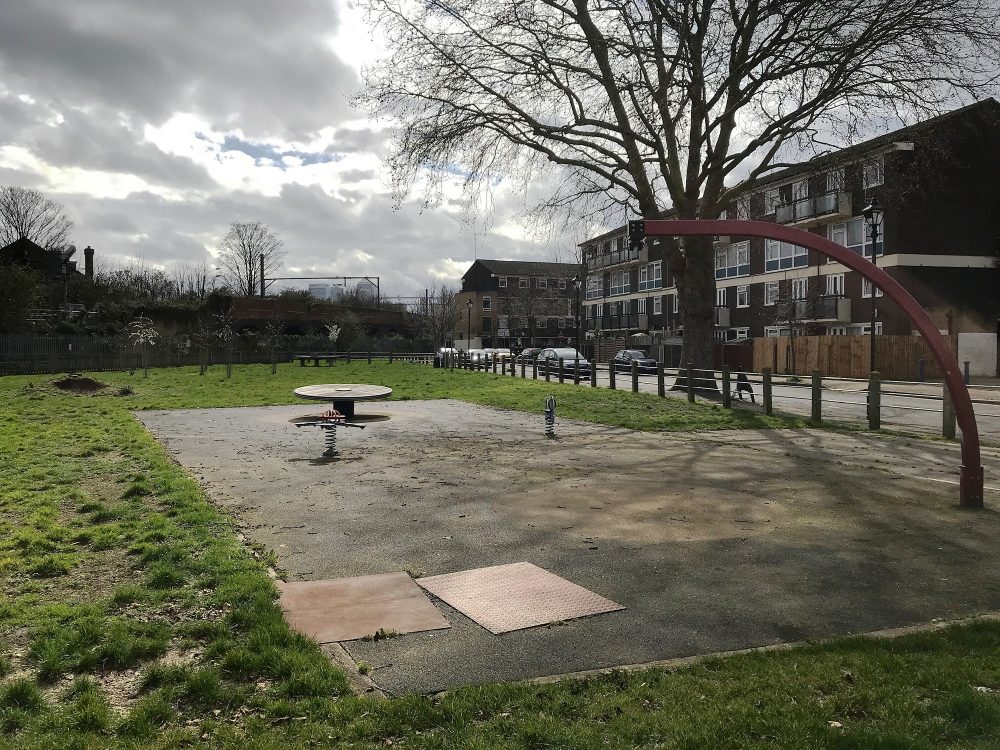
(79, 384)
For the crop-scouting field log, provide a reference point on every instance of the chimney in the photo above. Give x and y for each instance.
(88, 262)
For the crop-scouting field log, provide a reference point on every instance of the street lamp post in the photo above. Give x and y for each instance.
(468, 337)
(873, 216)
(577, 282)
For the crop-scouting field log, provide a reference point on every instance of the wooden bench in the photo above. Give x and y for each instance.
(303, 358)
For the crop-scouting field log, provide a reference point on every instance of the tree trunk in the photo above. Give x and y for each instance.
(697, 292)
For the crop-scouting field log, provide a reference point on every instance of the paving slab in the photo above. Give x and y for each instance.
(712, 541)
(345, 609)
(503, 598)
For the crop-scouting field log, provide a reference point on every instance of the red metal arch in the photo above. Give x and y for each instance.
(971, 475)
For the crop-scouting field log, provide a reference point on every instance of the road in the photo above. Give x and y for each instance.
(905, 406)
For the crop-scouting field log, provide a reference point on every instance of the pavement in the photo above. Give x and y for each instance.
(905, 406)
(712, 541)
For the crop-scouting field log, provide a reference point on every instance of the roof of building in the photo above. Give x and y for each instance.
(526, 268)
(988, 107)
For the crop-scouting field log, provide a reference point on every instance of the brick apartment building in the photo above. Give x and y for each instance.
(516, 304)
(939, 184)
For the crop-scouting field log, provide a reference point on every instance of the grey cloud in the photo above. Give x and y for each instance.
(357, 175)
(251, 64)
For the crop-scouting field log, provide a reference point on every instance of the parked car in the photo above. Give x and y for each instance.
(622, 361)
(528, 355)
(569, 356)
(475, 355)
(498, 354)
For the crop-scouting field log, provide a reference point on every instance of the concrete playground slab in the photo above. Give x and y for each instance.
(712, 541)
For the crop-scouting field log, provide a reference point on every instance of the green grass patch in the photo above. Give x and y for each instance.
(113, 563)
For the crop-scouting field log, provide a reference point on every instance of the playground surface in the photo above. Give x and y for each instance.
(712, 541)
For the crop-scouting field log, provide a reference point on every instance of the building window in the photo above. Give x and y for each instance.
(800, 190)
(854, 235)
(657, 305)
(732, 260)
(780, 256)
(487, 324)
(873, 172)
(835, 180)
(720, 297)
(772, 331)
(866, 288)
(739, 210)
(642, 306)
(562, 283)
(522, 283)
(487, 304)
(771, 200)
(770, 292)
(542, 283)
(835, 285)
(651, 276)
(502, 282)
(800, 288)
(620, 282)
(743, 296)
(593, 287)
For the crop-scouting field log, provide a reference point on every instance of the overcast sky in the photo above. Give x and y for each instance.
(157, 124)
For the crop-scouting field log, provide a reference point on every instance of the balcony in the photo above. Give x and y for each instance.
(619, 322)
(722, 317)
(827, 309)
(809, 211)
(614, 258)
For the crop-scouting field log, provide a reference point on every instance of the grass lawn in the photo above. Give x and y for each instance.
(132, 616)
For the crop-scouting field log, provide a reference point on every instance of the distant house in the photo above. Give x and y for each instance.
(49, 263)
(515, 304)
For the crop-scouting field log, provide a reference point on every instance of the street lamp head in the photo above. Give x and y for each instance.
(469, 304)
(577, 282)
(873, 212)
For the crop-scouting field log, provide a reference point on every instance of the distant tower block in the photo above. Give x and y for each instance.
(88, 262)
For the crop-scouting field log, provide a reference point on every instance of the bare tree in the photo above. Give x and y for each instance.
(248, 249)
(434, 316)
(194, 280)
(27, 213)
(654, 104)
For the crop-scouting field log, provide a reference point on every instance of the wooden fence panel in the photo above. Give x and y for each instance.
(896, 357)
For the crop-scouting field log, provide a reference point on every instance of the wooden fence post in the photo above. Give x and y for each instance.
(817, 397)
(635, 377)
(593, 374)
(690, 382)
(562, 370)
(611, 375)
(661, 388)
(576, 371)
(727, 396)
(768, 402)
(874, 402)
(947, 415)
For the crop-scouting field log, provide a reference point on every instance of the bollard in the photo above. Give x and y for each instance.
(562, 370)
(727, 395)
(947, 415)
(635, 377)
(611, 375)
(817, 397)
(766, 387)
(513, 367)
(550, 415)
(493, 363)
(965, 367)
(874, 402)
(534, 368)
(921, 370)
(576, 371)
(548, 377)
(690, 383)
(593, 374)
(661, 389)
(524, 368)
